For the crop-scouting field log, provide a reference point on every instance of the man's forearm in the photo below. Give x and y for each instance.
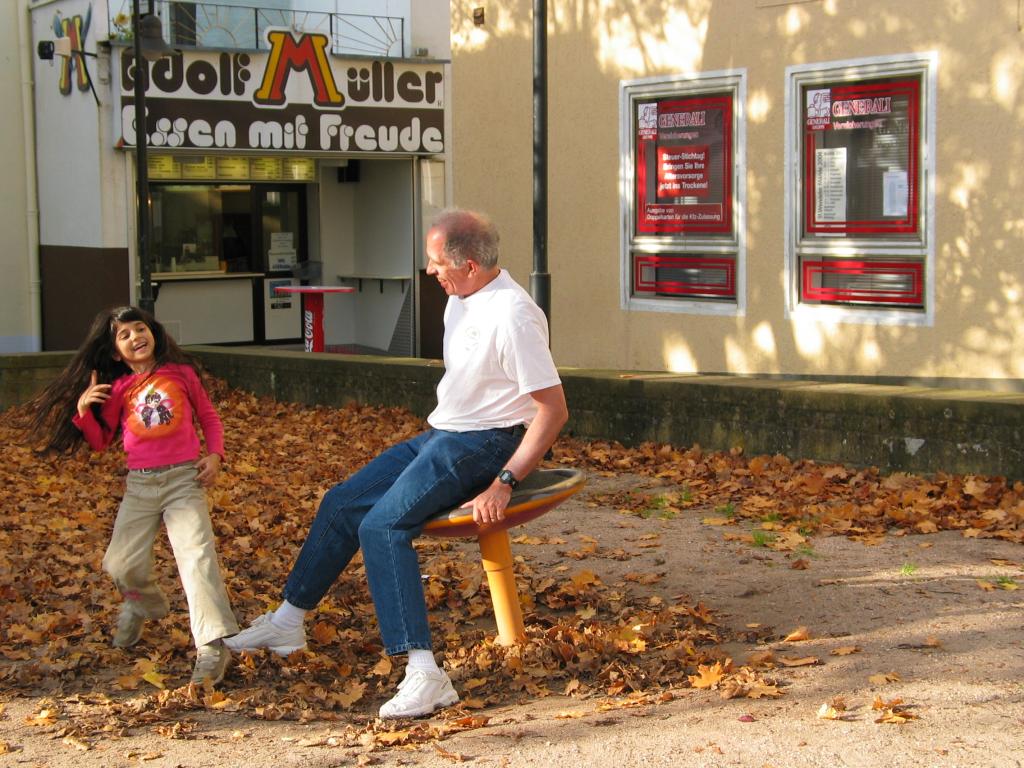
(552, 414)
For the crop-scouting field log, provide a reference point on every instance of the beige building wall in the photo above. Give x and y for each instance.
(19, 287)
(978, 328)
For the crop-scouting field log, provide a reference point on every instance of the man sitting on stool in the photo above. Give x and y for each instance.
(500, 407)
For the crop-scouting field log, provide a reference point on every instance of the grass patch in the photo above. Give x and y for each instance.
(908, 569)
(660, 507)
(726, 510)
(805, 550)
(762, 538)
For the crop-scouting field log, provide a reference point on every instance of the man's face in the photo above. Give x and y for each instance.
(456, 281)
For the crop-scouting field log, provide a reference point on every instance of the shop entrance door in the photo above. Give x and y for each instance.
(279, 232)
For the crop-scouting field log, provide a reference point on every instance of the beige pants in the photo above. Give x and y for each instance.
(174, 495)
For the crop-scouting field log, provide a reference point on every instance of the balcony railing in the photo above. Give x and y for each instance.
(213, 25)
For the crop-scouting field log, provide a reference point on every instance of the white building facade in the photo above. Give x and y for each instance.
(289, 143)
(20, 323)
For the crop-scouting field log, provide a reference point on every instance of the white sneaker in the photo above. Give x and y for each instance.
(129, 626)
(211, 663)
(419, 694)
(134, 613)
(262, 633)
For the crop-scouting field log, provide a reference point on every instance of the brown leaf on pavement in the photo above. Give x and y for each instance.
(454, 757)
(804, 661)
(845, 650)
(884, 678)
(77, 743)
(708, 675)
(893, 712)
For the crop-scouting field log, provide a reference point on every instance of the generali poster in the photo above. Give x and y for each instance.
(861, 149)
(293, 97)
(684, 166)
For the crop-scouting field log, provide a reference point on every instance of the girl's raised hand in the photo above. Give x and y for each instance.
(208, 467)
(94, 393)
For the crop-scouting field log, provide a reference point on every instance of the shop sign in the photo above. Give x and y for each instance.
(824, 112)
(294, 97)
(72, 68)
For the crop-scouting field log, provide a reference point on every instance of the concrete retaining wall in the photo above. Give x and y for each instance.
(22, 376)
(895, 428)
(907, 428)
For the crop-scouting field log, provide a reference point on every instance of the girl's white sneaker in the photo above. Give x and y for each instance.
(211, 663)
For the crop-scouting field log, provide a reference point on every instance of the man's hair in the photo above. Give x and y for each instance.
(468, 235)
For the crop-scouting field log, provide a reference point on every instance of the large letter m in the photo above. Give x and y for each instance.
(308, 53)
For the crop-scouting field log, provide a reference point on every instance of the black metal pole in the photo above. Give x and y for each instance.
(146, 300)
(540, 280)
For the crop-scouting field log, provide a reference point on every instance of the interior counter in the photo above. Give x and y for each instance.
(207, 307)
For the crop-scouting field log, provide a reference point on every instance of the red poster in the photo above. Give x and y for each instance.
(683, 171)
(684, 166)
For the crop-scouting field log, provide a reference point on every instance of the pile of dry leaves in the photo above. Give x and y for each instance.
(794, 499)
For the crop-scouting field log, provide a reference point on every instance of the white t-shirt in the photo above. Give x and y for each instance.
(495, 354)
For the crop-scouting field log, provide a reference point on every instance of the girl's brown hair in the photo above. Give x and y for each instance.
(50, 413)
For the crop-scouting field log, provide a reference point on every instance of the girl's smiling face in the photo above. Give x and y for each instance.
(135, 345)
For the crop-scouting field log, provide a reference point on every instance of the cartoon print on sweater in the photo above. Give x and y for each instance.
(153, 408)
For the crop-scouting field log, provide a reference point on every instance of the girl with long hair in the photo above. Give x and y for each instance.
(130, 377)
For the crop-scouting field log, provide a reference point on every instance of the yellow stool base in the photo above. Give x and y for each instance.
(496, 553)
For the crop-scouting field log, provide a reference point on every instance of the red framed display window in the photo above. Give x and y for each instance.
(858, 180)
(691, 276)
(899, 283)
(684, 165)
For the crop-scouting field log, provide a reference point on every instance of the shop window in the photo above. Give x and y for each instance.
(682, 154)
(188, 224)
(183, 23)
(211, 228)
(858, 196)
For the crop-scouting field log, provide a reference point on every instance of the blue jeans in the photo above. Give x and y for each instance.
(382, 508)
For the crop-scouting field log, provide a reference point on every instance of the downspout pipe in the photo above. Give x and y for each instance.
(31, 186)
(540, 280)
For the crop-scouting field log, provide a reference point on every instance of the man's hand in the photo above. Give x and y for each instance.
(489, 506)
(94, 393)
(208, 467)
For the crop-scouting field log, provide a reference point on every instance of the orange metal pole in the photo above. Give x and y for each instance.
(496, 553)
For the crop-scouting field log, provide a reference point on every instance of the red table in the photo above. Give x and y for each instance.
(313, 310)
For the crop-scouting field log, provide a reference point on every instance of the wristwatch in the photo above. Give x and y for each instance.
(506, 477)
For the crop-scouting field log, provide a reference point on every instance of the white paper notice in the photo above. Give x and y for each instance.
(281, 241)
(894, 193)
(281, 255)
(830, 184)
(281, 260)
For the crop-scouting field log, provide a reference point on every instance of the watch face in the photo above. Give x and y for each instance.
(508, 478)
